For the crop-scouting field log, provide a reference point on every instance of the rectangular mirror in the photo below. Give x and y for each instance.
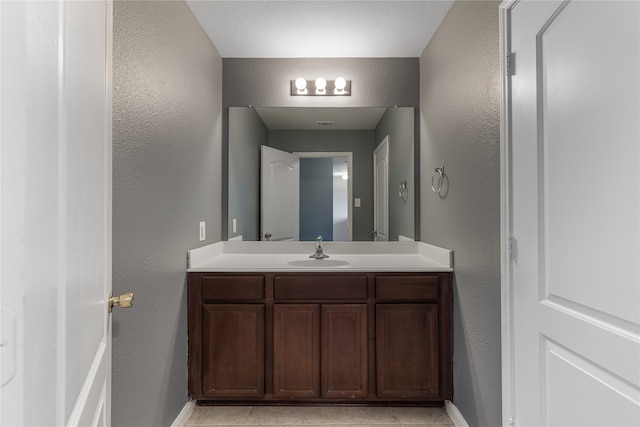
(336, 188)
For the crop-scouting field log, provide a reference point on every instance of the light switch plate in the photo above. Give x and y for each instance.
(356, 202)
(203, 230)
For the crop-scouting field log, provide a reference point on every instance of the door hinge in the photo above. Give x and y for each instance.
(511, 64)
(511, 248)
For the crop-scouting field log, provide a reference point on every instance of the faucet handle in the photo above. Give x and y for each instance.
(319, 239)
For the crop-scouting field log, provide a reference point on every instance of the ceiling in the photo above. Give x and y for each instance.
(320, 29)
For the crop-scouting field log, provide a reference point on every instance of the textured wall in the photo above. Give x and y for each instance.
(398, 123)
(247, 133)
(375, 82)
(166, 178)
(361, 143)
(460, 106)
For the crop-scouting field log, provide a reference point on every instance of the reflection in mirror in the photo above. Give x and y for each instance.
(339, 133)
(325, 191)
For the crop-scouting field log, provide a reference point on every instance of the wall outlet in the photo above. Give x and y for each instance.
(234, 226)
(203, 231)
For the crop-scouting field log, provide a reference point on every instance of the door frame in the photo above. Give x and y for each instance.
(506, 273)
(379, 147)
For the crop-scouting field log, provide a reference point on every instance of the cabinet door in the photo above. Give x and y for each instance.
(407, 350)
(233, 350)
(296, 346)
(344, 351)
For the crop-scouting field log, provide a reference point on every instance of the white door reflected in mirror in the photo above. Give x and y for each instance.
(381, 191)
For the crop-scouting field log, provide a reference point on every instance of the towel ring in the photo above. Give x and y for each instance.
(439, 174)
(403, 192)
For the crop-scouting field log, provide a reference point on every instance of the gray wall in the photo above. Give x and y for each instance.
(375, 82)
(247, 133)
(460, 125)
(398, 123)
(166, 178)
(361, 143)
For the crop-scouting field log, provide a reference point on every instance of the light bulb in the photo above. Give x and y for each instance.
(321, 83)
(341, 83)
(301, 83)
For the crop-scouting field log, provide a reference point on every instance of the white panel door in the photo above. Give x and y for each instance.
(575, 212)
(381, 191)
(55, 207)
(280, 192)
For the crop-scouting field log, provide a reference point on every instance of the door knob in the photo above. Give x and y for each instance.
(124, 301)
(374, 232)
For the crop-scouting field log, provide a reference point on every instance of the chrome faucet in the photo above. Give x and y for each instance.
(319, 253)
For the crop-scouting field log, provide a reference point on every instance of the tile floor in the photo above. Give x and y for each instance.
(317, 416)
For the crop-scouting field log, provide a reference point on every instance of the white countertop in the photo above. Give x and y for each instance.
(239, 256)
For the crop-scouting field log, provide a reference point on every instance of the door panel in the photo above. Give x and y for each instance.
(344, 351)
(87, 209)
(233, 350)
(56, 210)
(296, 348)
(566, 372)
(575, 212)
(407, 350)
(590, 204)
(280, 190)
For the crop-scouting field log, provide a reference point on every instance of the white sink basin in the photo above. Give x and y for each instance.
(314, 263)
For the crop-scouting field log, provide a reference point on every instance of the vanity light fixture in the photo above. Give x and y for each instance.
(321, 87)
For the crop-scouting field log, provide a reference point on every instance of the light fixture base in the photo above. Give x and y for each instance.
(329, 90)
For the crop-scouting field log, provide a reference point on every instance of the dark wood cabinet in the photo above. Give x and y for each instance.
(296, 348)
(233, 350)
(407, 350)
(320, 337)
(344, 351)
(320, 350)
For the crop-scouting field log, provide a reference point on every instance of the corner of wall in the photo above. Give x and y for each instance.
(460, 127)
(167, 115)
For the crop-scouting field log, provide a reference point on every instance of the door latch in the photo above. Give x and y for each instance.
(124, 301)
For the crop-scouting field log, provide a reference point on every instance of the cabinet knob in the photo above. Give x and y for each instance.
(124, 301)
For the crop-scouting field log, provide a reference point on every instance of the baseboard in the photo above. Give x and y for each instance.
(455, 415)
(184, 415)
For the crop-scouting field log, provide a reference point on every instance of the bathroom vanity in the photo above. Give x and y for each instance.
(269, 325)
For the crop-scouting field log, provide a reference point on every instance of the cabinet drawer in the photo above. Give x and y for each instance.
(232, 288)
(320, 287)
(413, 288)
